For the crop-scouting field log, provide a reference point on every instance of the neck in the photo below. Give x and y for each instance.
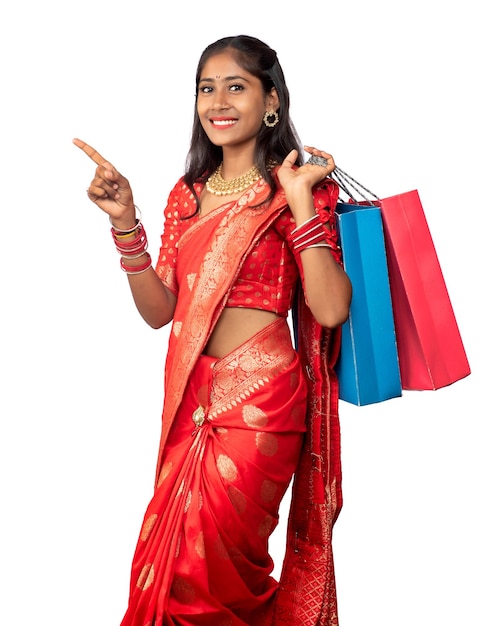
(236, 162)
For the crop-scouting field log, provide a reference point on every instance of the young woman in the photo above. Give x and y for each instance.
(249, 234)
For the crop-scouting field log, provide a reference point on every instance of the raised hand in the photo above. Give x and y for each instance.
(308, 175)
(109, 189)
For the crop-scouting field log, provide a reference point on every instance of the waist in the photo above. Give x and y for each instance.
(236, 326)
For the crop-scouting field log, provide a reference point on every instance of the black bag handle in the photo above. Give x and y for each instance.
(352, 187)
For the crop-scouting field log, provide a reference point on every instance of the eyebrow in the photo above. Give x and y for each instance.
(226, 79)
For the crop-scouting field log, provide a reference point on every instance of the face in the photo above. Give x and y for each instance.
(231, 103)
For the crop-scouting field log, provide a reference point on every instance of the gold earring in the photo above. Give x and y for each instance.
(270, 119)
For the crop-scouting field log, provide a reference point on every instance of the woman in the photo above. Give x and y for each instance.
(248, 229)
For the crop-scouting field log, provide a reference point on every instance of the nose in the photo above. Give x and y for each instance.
(219, 101)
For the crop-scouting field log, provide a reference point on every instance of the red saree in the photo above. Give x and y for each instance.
(232, 434)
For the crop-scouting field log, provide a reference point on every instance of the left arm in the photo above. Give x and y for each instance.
(327, 286)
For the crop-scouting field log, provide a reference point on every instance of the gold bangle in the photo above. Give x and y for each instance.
(127, 234)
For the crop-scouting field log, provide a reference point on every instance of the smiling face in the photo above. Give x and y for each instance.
(231, 103)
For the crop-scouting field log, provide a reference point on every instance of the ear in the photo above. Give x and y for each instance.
(272, 100)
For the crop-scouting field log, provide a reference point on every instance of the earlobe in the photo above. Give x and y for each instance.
(272, 101)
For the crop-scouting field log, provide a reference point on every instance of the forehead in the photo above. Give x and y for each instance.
(222, 65)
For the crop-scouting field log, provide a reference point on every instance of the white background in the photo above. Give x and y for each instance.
(405, 95)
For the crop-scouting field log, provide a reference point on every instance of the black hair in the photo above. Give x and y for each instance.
(273, 144)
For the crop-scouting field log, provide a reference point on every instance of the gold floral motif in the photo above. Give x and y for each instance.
(164, 472)
(248, 368)
(235, 554)
(188, 501)
(226, 468)
(265, 527)
(147, 526)
(268, 490)
(266, 443)
(237, 499)
(183, 590)
(248, 362)
(222, 432)
(146, 577)
(200, 545)
(182, 488)
(190, 279)
(178, 547)
(254, 417)
(176, 328)
(298, 415)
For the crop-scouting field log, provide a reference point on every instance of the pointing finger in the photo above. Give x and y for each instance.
(90, 152)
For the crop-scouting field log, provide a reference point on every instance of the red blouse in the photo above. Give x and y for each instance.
(269, 274)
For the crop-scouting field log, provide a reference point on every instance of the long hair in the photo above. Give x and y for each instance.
(272, 144)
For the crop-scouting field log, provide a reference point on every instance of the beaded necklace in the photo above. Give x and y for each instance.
(219, 187)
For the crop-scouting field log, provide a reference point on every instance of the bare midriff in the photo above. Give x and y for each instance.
(234, 327)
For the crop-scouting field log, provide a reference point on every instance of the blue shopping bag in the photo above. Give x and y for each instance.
(367, 367)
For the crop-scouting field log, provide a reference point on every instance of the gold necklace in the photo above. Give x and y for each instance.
(219, 187)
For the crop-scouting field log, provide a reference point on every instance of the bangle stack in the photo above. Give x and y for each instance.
(310, 234)
(132, 244)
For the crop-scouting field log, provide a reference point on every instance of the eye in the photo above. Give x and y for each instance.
(236, 87)
(205, 89)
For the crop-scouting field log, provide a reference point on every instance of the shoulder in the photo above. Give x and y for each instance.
(181, 199)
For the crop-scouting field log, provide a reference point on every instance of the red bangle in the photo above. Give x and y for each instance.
(136, 269)
(133, 247)
(310, 233)
(314, 242)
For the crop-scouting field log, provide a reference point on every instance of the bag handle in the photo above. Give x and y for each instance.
(351, 187)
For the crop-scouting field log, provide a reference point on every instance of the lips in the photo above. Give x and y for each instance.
(223, 122)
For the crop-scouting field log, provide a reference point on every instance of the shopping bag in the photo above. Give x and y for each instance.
(367, 366)
(430, 349)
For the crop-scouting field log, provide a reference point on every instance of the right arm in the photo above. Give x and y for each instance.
(113, 195)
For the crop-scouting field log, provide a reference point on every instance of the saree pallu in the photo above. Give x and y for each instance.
(202, 557)
(307, 591)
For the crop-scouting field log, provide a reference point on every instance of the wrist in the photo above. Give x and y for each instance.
(302, 208)
(132, 244)
(127, 222)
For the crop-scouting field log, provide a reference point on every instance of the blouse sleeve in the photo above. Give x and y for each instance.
(167, 258)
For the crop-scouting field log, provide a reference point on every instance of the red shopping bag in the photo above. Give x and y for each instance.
(431, 353)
